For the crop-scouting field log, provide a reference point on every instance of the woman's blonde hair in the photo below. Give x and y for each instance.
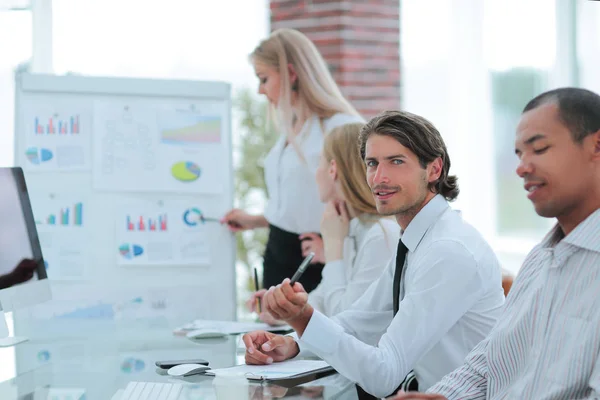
(341, 145)
(318, 93)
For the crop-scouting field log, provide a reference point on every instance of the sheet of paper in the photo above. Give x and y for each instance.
(162, 233)
(280, 370)
(63, 229)
(88, 301)
(141, 146)
(58, 135)
(173, 303)
(229, 327)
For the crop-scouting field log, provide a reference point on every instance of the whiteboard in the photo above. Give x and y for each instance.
(119, 172)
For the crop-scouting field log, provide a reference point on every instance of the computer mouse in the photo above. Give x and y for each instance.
(187, 369)
(204, 334)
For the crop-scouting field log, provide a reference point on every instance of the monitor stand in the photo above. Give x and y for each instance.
(5, 339)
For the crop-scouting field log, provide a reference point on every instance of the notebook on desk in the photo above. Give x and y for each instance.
(229, 327)
(290, 369)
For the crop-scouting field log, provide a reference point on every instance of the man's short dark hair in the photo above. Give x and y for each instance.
(578, 109)
(419, 136)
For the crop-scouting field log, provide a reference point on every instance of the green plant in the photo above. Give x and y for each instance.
(255, 140)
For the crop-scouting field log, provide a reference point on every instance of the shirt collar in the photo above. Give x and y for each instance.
(586, 234)
(362, 223)
(354, 227)
(416, 229)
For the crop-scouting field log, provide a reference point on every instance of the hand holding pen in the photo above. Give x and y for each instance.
(288, 300)
(239, 220)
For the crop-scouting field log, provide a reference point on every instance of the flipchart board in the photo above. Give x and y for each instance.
(125, 177)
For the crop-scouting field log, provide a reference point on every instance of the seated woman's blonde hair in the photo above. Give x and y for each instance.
(341, 145)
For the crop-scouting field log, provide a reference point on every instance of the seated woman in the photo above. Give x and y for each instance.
(356, 242)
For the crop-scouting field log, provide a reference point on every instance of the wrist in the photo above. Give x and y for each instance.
(294, 348)
(300, 322)
(259, 221)
(333, 249)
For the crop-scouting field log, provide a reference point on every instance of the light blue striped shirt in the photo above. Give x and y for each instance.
(546, 343)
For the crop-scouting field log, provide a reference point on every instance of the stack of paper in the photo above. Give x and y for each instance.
(282, 370)
(229, 327)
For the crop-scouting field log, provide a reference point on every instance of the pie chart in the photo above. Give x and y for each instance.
(38, 155)
(192, 216)
(130, 251)
(185, 171)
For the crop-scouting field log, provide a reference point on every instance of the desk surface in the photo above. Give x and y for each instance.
(92, 360)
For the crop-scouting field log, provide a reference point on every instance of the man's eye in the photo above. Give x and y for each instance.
(541, 151)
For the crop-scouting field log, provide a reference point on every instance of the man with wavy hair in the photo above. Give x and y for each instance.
(438, 297)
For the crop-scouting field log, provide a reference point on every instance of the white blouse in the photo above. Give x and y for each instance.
(294, 203)
(368, 249)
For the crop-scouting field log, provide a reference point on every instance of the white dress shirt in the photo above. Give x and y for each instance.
(367, 251)
(453, 296)
(547, 341)
(294, 203)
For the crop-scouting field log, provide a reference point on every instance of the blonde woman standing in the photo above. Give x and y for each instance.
(306, 104)
(357, 242)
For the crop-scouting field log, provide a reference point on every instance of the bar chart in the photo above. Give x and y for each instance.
(146, 224)
(56, 125)
(68, 216)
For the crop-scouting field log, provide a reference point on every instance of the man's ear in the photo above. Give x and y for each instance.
(333, 170)
(596, 145)
(435, 170)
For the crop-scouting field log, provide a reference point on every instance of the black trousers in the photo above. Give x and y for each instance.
(282, 258)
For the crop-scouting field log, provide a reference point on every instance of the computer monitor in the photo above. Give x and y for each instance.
(23, 283)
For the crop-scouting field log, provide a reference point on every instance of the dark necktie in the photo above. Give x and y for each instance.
(400, 258)
(409, 383)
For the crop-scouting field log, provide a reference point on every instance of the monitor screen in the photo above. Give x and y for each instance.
(18, 234)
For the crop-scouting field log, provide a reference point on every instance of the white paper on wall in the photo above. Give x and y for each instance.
(57, 135)
(62, 222)
(126, 305)
(159, 148)
(162, 233)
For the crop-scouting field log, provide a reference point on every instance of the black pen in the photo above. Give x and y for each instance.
(256, 287)
(302, 268)
(208, 219)
(204, 220)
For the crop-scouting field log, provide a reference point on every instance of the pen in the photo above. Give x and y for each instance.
(208, 219)
(204, 220)
(256, 287)
(302, 268)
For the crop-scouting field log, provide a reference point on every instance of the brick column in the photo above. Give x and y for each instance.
(359, 39)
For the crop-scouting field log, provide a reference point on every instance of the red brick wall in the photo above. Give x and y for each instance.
(359, 39)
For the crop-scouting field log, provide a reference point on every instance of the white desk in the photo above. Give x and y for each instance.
(94, 359)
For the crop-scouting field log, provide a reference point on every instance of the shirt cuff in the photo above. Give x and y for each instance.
(294, 336)
(334, 272)
(321, 334)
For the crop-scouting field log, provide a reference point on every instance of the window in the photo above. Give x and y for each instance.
(471, 76)
(520, 63)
